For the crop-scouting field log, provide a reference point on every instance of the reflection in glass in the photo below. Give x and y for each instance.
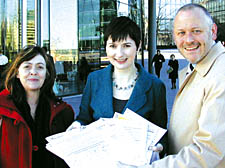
(63, 38)
(31, 22)
(10, 29)
(45, 23)
(89, 32)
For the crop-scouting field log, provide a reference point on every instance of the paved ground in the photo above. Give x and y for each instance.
(75, 100)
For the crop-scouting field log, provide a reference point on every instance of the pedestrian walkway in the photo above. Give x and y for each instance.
(170, 93)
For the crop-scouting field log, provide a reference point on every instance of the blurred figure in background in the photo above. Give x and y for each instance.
(158, 61)
(83, 70)
(173, 70)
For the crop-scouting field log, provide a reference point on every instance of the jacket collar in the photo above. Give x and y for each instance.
(7, 103)
(13, 112)
(139, 95)
(204, 65)
(107, 96)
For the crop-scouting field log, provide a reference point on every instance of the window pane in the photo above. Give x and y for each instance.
(31, 22)
(63, 45)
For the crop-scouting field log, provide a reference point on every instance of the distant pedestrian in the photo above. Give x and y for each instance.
(173, 70)
(158, 60)
(83, 70)
(3, 64)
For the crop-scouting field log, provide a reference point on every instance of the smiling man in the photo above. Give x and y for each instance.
(197, 125)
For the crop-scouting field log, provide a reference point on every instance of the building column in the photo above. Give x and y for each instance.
(151, 32)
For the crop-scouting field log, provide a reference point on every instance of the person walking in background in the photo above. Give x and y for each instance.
(158, 60)
(197, 125)
(83, 70)
(3, 65)
(173, 70)
(123, 83)
(30, 111)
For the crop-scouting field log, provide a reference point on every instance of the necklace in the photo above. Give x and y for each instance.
(127, 87)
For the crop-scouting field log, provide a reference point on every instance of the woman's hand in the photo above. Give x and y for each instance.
(74, 125)
(157, 148)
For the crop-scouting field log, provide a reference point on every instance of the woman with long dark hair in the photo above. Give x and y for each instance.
(30, 111)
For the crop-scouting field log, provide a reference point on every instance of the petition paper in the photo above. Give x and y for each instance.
(104, 143)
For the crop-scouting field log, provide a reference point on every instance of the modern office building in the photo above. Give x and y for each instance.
(70, 30)
(217, 10)
(165, 12)
(73, 29)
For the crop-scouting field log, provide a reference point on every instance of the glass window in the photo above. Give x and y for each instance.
(45, 24)
(31, 20)
(10, 27)
(64, 46)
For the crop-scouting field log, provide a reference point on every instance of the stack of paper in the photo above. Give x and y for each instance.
(125, 138)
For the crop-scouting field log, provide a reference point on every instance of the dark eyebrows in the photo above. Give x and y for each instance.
(29, 63)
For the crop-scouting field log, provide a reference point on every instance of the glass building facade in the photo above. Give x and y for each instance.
(217, 11)
(73, 29)
(165, 12)
(70, 30)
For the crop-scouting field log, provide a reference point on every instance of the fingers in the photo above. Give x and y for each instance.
(74, 125)
(156, 148)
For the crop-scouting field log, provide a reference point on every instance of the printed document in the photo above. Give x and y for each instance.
(125, 138)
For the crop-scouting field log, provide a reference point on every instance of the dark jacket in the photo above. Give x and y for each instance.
(148, 98)
(158, 59)
(175, 65)
(15, 135)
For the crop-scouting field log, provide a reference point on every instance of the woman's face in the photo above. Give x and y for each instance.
(172, 57)
(32, 73)
(121, 54)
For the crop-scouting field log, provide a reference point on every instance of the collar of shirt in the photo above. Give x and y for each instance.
(189, 69)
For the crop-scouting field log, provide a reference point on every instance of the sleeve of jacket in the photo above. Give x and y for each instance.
(63, 119)
(85, 116)
(207, 148)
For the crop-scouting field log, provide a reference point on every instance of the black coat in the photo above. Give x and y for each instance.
(175, 65)
(158, 59)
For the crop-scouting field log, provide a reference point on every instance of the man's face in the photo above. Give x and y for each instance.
(194, 34)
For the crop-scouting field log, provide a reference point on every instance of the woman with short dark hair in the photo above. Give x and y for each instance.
(123, 83)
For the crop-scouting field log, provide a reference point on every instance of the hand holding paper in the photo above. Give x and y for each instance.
(107, 142)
